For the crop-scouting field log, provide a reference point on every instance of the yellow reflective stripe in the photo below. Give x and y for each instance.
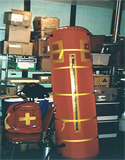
(5, 121)
(79, 94)
(67, 67)
(70, 120)
(79, 140)
(63, 50)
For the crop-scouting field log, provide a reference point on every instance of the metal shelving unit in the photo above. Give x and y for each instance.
(6, 70)
(107, 70)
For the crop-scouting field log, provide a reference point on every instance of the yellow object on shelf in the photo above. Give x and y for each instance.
(22, 80)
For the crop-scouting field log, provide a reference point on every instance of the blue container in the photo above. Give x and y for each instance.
(43, 105)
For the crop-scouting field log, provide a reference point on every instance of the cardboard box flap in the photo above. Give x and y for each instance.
(17, 17)
(20, 11)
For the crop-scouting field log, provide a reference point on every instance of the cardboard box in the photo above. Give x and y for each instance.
(17, 33)
(42, 78)
(43, 64)
(41, 47)
(17, 17)
(18, 48)
(105, 94)
(97, 42)
(22, 63)
(42, 34)
(10, 90)
(101, 81)
(45, 23)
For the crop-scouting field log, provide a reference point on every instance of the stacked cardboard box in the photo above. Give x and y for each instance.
(17, 33)
(101, 81)
(41, 47)
(44, 25)
(42, 28)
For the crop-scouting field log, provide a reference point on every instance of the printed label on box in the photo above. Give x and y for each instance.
(29, 60)
(44, 77)
(15, 46)
(31, 65)
(26, 17)
(23, 65)
(102, 98)
(16, 17)
(48, 48)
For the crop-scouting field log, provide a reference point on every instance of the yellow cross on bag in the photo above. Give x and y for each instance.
(27, 118)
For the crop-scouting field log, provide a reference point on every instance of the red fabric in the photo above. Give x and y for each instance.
(74, 38)
(20, 137)
(25, 117)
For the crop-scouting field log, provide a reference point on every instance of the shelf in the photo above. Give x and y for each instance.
(4, 69)
(19, 55)
(99, 75)
(101, 66)
(104, 118)
(105, 103)
(2, 81)
(22, 80)
(8, 96)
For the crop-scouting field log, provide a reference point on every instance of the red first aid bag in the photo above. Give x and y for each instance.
(24, 117)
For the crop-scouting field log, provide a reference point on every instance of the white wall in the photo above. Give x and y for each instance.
(96, 20)
(51, 9)
(122, 27)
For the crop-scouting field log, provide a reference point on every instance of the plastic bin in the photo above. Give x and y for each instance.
(100, 59)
